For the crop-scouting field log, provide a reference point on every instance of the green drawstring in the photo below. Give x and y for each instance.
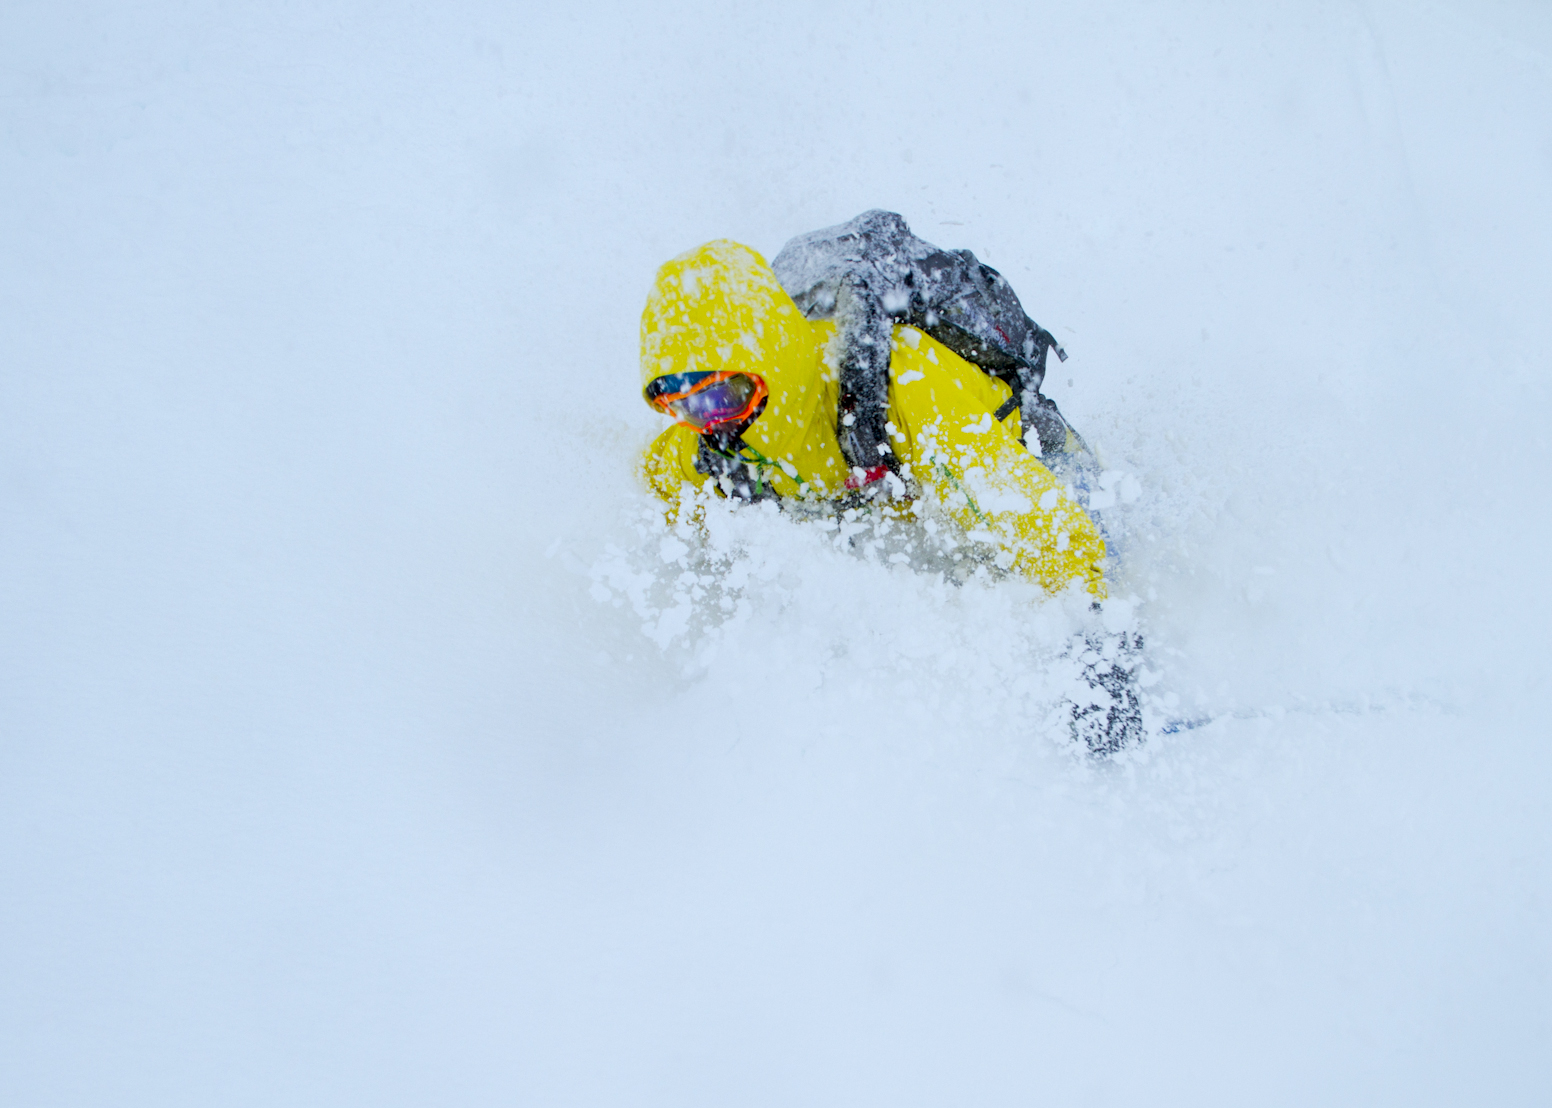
(768, 463)
(948, 475)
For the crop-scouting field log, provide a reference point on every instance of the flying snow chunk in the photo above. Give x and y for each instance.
(1117, 613)
(673, 549)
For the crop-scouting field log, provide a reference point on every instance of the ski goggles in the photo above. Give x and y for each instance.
(705, 400)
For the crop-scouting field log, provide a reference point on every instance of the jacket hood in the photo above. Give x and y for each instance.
(719, 307)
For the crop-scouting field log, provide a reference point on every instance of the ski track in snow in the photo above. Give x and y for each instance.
(366, 736)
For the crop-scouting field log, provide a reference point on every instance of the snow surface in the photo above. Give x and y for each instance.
(326, 777)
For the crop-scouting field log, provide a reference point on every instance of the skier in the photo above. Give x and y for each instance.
(756, 389)
(768, 402)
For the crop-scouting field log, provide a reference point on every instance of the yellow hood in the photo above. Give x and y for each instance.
(719, 307)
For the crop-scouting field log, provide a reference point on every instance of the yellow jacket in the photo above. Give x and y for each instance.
(720, 307)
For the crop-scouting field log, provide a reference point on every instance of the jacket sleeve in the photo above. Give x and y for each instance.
(669, 464)
(973, 467)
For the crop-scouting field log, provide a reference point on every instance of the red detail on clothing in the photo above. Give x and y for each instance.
(877, 473)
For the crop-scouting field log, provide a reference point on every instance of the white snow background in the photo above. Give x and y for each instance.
(325, 779)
